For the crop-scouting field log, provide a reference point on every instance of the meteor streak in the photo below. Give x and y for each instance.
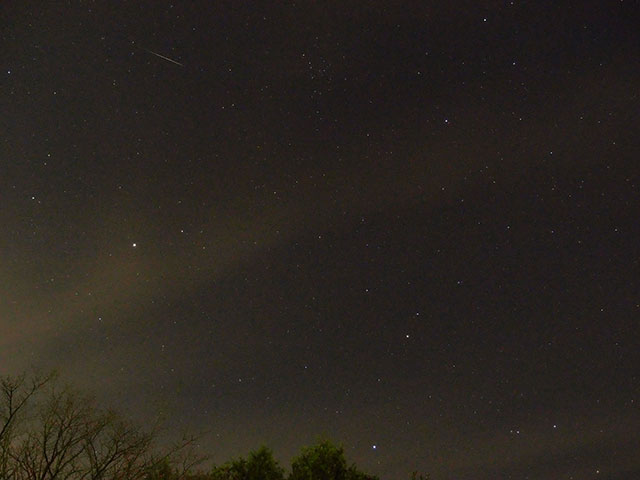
(162, 56)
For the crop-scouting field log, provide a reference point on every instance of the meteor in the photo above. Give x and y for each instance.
(162, 56)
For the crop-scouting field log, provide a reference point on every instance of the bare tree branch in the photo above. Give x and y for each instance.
(67, 437)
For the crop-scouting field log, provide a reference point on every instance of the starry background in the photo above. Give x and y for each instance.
(410, 226)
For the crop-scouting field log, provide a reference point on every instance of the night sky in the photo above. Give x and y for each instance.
(413, 227)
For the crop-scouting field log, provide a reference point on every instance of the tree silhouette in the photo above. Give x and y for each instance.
(66, 436)
(324, 461)
(260, 465)
(15, 396)
(52, 432)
